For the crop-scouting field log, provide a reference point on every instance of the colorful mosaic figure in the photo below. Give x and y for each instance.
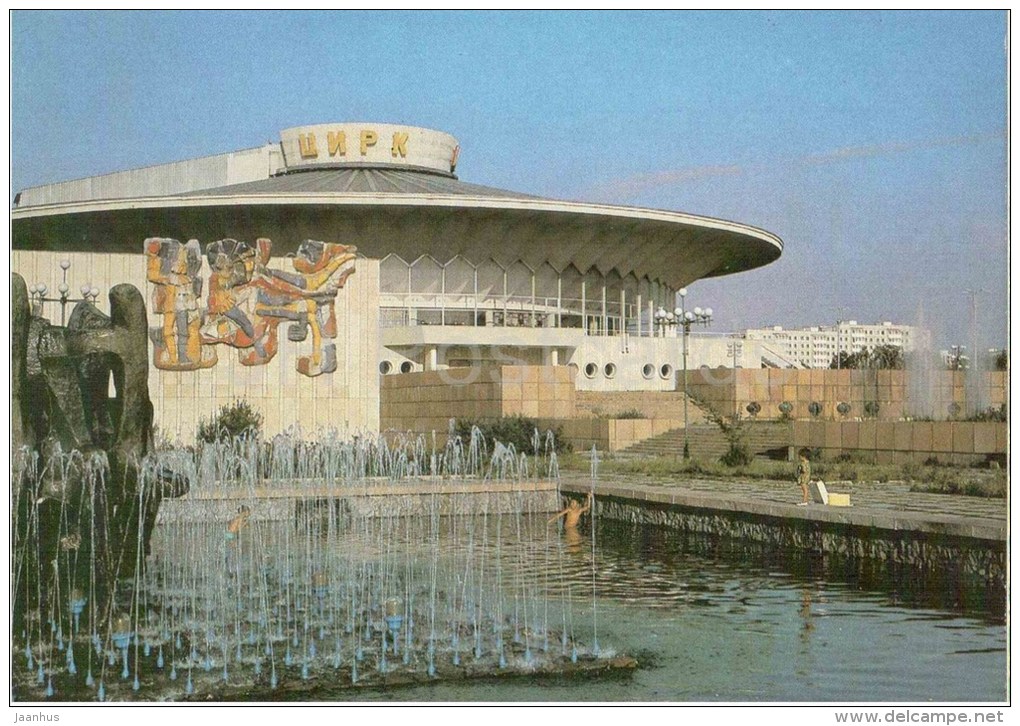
(248, 300)
(306, 298)
(174, 269)
(231, 318)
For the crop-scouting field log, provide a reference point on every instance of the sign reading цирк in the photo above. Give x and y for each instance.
(368, 144)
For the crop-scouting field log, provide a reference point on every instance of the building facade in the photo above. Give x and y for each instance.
(815, 347)
(296, 274)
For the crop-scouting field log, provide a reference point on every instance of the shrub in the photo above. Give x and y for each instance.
(849, 472)
(990, 414)
(233, 421)
(737, 455)
(947, 480)
(516, 430)
(911, 471)
(629, 414)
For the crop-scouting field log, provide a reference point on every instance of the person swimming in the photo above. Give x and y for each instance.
(239, 522)
(572, 514)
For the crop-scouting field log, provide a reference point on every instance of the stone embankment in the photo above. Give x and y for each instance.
(953, 540)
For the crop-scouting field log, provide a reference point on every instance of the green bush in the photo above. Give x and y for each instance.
(911, 471)
(990, 414)
(233, 421)
(516, 430)
(951, 480)
(854, 457)
(737, 455)
(629, 414)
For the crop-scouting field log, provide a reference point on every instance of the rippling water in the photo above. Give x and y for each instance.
(707, 619)
(710, 620)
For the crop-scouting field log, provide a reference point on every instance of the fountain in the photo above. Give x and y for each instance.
(244, 567)
(364, 563)
(85, 494)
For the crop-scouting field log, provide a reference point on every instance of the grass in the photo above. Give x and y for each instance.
(922, 478)
(971, 482)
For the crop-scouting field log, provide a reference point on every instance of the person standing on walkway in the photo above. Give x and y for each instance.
(804, 478)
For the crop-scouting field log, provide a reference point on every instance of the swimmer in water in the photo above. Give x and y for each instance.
(572, 514)
(239, 522)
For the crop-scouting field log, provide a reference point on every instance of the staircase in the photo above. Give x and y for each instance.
(652, 404)
(708, 443)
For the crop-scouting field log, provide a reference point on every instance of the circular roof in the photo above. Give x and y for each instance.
(387, 201)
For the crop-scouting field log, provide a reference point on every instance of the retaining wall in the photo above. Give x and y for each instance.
(955, 551)
(898, 393)
(426, 401)
(898, 442)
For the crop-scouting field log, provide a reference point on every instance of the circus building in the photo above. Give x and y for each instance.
(312, 275)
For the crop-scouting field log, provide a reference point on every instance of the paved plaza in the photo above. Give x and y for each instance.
(889, 505)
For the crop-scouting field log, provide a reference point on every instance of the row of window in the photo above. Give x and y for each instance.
(386, 367)
(591, 370)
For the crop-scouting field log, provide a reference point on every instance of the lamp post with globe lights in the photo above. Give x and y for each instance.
(684, 319)
(37, 294)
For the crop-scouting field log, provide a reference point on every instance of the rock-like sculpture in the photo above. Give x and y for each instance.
(85, 497)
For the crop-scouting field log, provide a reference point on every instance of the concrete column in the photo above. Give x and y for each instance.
(623, 312)
(559, 299)
(584, 305)
(605, 311)
(432, 358)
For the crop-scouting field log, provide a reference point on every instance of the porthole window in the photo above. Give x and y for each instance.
(385, 367)
(406, 367)
(590, 369)
(814, 408)
(666, 370)
(610, 370)
(648, 370)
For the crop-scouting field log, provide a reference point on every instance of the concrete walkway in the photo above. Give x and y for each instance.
(889, 506)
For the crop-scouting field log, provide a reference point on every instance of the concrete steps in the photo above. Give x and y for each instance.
(708, 443)
(652, 404)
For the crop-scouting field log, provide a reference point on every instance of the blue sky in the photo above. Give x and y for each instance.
(873, 143)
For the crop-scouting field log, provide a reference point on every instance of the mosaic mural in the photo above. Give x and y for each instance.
(246, 301)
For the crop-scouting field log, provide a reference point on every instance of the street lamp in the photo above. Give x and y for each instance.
(957, 359)
(683, 318)
(37, 294)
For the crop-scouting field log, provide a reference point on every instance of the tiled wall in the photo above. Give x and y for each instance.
(610, 434)
(955, 442)
(426, 401)
(347, 400)
(894, 391)
(653, 404)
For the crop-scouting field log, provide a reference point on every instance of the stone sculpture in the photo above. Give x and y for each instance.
(83, 511)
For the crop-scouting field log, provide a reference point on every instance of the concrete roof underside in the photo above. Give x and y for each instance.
(411, 214)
